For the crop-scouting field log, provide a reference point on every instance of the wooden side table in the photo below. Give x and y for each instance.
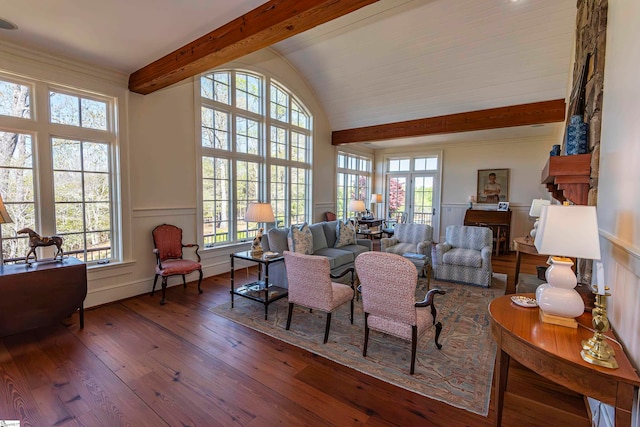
(523, 245)
(554, 352)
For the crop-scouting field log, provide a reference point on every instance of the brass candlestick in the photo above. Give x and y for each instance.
(596, 350)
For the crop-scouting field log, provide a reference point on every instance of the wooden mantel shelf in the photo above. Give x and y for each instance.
(567, 177)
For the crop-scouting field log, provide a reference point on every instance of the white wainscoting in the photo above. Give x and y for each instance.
(453, 214)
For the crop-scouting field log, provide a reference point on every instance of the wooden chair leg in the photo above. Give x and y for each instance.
(326, 328)
(164, 289)
(366, 335)
(414, 345)
(351, 311)
(155, 279)
(184, 281)
(200, 282)
(438, 330)
(289, 316)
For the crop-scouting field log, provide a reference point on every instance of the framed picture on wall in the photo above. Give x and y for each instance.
(493, 185)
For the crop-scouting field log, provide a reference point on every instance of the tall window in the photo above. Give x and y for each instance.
(69, 152)
(256, 146)
(354, 181)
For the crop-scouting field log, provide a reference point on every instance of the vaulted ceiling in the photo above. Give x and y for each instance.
(391, 61)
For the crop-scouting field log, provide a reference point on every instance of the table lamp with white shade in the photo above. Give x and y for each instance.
(259, 212)
(564, 231)
(375, 199)
(4, 219)
(534, 212)
(357, 206)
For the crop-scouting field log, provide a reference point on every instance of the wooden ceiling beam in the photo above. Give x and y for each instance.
(493, 118)
(265, 25)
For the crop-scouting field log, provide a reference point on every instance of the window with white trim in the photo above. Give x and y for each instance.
(353, 182)
(69, 150)
(255, 143)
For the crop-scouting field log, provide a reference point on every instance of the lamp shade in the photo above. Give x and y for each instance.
(356, 206)
(569, 231)
(376, 198)
(4, 215)
(536, 207)
(259, 212)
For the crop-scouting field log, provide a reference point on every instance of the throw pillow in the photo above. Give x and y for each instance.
(300, 239)
(345, 234)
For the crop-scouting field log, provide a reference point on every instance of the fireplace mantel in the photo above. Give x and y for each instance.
(567, 177)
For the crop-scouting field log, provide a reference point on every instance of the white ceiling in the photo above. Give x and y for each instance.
(391, 61)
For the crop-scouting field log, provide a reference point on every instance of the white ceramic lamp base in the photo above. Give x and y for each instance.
(558, 300)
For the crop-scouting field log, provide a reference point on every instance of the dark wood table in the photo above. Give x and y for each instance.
(41, 294)
(261, 290)
(554, 352)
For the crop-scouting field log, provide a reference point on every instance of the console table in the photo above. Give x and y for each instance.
(41, 294)
(554, 352)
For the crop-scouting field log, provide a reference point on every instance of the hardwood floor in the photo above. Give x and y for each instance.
(137, 363)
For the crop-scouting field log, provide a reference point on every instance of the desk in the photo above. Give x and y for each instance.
(554, 352)
(498, 221)
(41, 294)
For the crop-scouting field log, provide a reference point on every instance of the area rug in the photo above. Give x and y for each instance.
(459, 374)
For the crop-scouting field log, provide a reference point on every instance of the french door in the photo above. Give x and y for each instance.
(416, 194)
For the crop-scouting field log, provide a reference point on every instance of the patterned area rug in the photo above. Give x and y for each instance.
(460, 374)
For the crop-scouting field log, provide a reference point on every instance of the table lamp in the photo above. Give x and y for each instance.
(4, 219)
(536, 207)
(259, 212)
(566, 231)
(471, 200)
(375, 199)
(357, 206)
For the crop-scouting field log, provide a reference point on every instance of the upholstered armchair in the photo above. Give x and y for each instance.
(414, 238)
(310, 286)
(388, 285)
(465, 256)
(167, 242)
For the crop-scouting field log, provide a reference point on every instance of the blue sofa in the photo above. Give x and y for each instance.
(324, 238)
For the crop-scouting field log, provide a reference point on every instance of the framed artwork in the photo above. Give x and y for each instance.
(503, 206)
(493, 186)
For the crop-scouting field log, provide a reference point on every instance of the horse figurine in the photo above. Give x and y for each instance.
(36, 240)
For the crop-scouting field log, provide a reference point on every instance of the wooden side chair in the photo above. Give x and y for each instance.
(167, 243)
(310, 286)
(388, 285)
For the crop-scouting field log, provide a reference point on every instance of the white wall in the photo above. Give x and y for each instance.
(524, 157)
(619, 184)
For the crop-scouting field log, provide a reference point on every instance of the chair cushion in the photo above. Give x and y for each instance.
(319, 239)
(336, 257)
(300, 239)
(461, 256)
(402, 248)
(345, 235)
(355, 249)
(330, 232)
(178, 266)
(278, 239)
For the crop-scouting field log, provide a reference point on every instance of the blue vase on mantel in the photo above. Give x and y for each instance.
(576, 139)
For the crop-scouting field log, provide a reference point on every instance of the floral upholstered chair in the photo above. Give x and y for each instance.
(310, 286)
(388, 285)
(409, 238)
(167, 242)
(465, 256)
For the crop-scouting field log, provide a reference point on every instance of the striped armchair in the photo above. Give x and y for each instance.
(465, 256)
(414, 238)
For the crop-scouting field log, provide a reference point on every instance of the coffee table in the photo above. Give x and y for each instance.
(422, 263)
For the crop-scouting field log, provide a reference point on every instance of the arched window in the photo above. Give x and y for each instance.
(255, 144)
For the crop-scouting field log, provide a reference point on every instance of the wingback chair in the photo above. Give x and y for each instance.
(465, 256)
(413, 238)
(310, 286)
(167, 242)
(388, 285)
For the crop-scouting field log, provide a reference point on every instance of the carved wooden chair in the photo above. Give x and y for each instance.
(167, 243)
(310, 286)
(388, 285)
